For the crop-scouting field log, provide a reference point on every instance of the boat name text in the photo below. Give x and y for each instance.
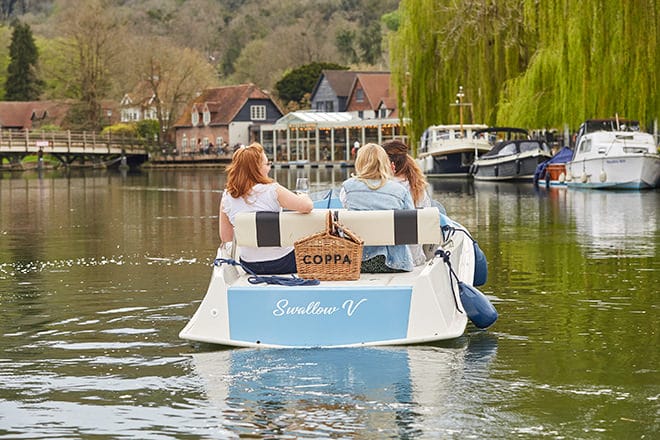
(349, 306)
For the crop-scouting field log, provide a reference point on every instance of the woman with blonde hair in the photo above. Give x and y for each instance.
(249, 189)
(371, 188)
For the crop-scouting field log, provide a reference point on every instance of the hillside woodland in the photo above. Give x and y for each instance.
(520, 62)
(101, 49)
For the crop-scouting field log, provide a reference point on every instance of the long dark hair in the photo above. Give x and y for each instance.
(405, 167)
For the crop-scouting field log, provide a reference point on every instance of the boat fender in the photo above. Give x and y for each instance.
(603, 176)
(584, 178)
(517, 166)
(480, 266)
(562, 178)
(547, 180)
(496, 171)
(478, 308)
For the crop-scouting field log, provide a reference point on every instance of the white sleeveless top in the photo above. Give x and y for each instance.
(263, 197)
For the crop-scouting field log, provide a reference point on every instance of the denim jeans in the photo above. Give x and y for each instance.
(286, 264)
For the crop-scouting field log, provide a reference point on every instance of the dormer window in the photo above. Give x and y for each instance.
(195, 117)
(258, 112)
(359, 95)
(206, 117)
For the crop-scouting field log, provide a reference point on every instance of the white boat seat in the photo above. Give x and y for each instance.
(376, 228)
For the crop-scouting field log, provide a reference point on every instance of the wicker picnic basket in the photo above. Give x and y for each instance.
(332, 255)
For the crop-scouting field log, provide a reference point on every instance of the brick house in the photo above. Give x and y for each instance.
(224, 116)
(370, 96)
(334, 88)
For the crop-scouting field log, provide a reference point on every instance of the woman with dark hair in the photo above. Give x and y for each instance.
(249, 189)
(407, 173)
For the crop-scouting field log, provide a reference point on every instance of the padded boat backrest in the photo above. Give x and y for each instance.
(382, 227)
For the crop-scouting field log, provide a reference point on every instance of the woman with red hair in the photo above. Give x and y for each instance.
(249, 189)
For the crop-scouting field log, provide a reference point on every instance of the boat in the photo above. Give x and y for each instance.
(433, 302)
(613, 154)
(552, 172)
(514, 156)
(450, 150)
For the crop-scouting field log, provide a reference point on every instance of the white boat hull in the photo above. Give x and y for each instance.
(378, 309)
(629, 171)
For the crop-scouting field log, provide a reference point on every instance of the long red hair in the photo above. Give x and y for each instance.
(245, 170)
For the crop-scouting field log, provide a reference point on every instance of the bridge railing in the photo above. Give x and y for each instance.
(70, 141)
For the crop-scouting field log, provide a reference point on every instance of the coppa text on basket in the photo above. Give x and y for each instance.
(326, 259)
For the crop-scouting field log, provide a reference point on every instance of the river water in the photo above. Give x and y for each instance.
(100, 270)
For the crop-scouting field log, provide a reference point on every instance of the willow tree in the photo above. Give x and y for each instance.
(527, 63)
(596, 58)
(443, 44)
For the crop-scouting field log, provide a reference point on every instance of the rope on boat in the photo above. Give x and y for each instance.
(451, 230)
(445, 257)
(268, 279)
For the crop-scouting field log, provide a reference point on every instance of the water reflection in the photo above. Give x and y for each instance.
(613, 224)
(353, 392)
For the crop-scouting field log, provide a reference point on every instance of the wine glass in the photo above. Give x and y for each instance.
(302, 185)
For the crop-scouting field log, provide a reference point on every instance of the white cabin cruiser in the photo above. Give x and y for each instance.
(614, 154)
(450, 150)
(431, 303)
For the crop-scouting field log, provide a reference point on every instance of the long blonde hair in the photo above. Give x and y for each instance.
(372, 163)
(243, 172)
(405, 166)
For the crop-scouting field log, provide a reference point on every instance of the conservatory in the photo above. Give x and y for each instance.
(310, 136)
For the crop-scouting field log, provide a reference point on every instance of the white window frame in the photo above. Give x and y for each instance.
(194, 117)
(258, 112)
(207, 117)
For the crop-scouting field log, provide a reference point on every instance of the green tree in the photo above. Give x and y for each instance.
(345, 41)
(370, 43)
(294, 85)
(527, 63)
(23, 83)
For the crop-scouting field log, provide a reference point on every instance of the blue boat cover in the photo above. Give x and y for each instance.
(564, 155)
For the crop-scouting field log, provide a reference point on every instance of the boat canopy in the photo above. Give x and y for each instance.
(564, 155)
(506, 148)
(611, 124)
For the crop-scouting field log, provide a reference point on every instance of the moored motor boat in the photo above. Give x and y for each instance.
(552, 172)
(431, 303)
(511, 158)
(613, 154)
(450, 150)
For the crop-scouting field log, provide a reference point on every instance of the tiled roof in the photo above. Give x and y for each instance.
(376, 87)
(20, 114)
(223, 103)
(341, 81)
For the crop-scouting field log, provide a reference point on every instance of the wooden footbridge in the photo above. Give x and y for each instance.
(71, 149)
